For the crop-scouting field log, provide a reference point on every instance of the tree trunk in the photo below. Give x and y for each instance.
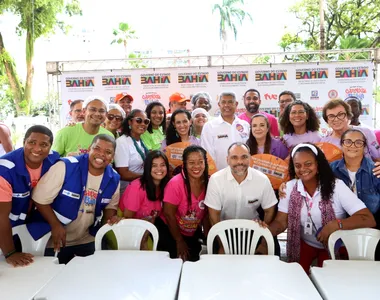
(29, 70)
(322, 25)
(13, 79)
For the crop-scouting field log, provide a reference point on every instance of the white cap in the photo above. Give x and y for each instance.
(117, 107)
(200, 110)
(93, 98)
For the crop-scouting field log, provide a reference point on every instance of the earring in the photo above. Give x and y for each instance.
(176, 134)
(129, 127)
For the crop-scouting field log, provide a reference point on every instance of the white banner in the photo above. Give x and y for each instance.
(313, 83)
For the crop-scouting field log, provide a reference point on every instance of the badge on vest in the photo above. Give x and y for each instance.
(106, 200)
(70, 194)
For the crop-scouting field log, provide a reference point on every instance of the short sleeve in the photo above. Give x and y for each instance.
(283, 205)
(50, 184)
(5, 190)
(348, 200)
(122, 153)
(213, 197)
(114, 203)
(59, 142)
(173, 192)
(131, 197)
(269, 197)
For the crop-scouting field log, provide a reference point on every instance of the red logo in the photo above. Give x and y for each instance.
(270, 96)
(333, 94)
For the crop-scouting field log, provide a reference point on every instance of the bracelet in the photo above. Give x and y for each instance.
(340, 224)
(9, 254)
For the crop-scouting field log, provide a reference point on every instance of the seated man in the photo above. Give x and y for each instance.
(72, 197)
(75, 140)
(238, 191)
(20, 171)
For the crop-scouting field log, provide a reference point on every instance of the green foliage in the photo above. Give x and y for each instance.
(343, 19)
(123, 34)
(138, 63)
(230, 12)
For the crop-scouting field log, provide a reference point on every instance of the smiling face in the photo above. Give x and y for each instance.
(350, 150)
(305, 166)
(177, 105)
(114, 120)
(137, 123)
(298, 116)
(238, 160)
(181, 124)
(36, 149)
(157, 116)
(195, 165)
(159, 169)
(227, 105)
(337, 118)
(77, 113)
(259, 127)
(101, 154)
(199, 120)
(95, 113)
(126, 105)
(252, 102)
(202, 103)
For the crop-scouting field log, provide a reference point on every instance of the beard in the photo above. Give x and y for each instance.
(239, 171)
(252, 108)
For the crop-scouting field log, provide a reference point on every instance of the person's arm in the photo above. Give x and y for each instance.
(214, 216)
(274, 127)
(170, 211)
(269, 201)
(128, 214)
(279, 224)
(16, 259)
(127, 175)
(5, 138)
(110, 212)
(269, 214)
(59, 142)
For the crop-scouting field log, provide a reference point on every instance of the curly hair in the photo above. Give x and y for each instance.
(188, 150)
(171, 133)
(325, 182)
(148, 111)
(125, 126)
(252, 143)
(312, 122)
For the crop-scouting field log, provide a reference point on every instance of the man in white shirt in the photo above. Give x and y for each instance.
(237, 191)
(219, 133)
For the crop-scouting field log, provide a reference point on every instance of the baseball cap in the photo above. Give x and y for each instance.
(178, 97)
(93, 98)
(121, 96)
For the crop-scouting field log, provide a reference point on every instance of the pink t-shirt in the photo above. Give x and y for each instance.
(135, 199)
(274, 131)
(6, 190)
(188, 218)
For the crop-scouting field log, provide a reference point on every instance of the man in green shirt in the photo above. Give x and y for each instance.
(76, 140)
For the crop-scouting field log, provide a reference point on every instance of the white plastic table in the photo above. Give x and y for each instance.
(342, 279)
(23, 283)
(244, 277)
(116, 275)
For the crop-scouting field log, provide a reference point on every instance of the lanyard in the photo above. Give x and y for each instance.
(138, 149)
(309, 205)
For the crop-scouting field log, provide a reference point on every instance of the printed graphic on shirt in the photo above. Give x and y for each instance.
(89, 200)
(240, 129)
(153, 215)
(189, 222)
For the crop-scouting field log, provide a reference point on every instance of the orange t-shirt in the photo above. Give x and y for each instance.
(6, 190)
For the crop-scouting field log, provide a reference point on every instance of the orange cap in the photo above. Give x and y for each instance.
(122, 96)
(178, 97)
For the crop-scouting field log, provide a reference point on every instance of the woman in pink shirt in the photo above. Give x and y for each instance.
(183, 212)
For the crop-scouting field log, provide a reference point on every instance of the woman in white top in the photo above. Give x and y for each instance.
(315, 206)
(130, 151)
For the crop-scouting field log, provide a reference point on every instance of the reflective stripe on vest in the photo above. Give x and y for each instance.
(21, 195)
(61, 218)
(7, 163)
(14, 218)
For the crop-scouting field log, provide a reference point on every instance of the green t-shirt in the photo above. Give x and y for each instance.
(153, 140)
(73, 139)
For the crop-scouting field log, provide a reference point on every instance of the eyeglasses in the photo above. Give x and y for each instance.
(300, 112)
(77, 111)
(285, 101)
(102, 111)
(340, 116)
(357, 143)
(140, 120)
(112, 116)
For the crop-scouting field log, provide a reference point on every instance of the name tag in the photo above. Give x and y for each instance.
(106, 200)
(71, 194)
(252, 201)
(21, 195)
(222, 136)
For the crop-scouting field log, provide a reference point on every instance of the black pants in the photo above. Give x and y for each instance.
(167, 243)
(67, 253)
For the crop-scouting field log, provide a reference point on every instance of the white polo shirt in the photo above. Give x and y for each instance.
(239, 201)
(217, 135)
(343, 201)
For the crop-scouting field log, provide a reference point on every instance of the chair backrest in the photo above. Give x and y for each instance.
(360, 243)
(28, 244)
(129, 233)
(239, 236)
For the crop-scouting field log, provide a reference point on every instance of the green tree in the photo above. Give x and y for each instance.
(37, 18)
(123, 35)
(231, 13)
(343, 19)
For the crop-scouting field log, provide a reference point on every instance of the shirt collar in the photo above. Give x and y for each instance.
(302, 191)
(230, 177)
(219, 120)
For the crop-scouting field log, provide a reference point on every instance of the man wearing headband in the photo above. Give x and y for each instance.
(76, 140)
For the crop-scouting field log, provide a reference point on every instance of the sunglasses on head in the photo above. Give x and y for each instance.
(140, 120)
(117, 118)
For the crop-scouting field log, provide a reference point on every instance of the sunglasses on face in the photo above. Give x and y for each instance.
(117, 118)
(140, 120)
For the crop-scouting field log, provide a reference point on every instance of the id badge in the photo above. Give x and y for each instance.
(308, 228)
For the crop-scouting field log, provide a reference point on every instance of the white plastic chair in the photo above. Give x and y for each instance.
(28, 244)
(360, 243)
(239, 236)
(129, 233)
